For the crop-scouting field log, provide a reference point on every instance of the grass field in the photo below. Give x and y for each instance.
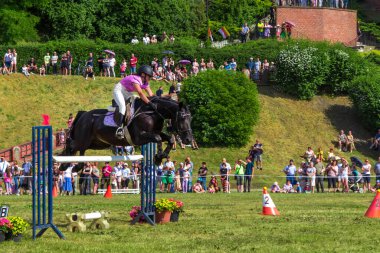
(214, 223)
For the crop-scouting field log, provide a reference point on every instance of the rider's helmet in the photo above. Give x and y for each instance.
(147, 70)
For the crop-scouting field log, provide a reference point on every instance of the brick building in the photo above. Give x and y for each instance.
(331, 24)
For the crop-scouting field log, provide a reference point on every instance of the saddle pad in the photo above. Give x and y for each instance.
(108, 120)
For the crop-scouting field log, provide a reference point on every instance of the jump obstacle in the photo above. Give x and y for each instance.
(42, 158)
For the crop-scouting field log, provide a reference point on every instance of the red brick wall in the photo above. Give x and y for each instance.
(336, 25)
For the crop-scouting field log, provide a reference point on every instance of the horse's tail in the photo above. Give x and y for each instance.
(71, 135)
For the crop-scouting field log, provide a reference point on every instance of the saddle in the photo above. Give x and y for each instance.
(129, 113)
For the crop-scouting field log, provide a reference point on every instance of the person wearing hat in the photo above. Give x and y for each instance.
(275, 188)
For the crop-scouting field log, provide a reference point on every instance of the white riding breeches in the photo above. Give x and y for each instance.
(120, 94)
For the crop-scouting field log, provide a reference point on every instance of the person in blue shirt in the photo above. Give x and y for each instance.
(248, 172)
(227, 66)
(26, 182)
(290, 171)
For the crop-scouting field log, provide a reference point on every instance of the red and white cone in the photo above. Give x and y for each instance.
(269, 207)
(374, 209)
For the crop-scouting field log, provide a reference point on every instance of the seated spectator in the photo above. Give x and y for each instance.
(227, 66)
(342, 141)
(309, 154)
(32, 66)
(320, 154)
(214, 184)
(350, 145)
(25, 70)
(288, 187)
(146, 39)
(197, 188)
(376, 187)
(210, 64)
(89, 73)
(298, 188)
(376, 141)
(171, 38)
(275, 188)
(330, 155)
(42, 70)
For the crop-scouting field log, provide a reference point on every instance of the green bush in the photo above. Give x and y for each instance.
(365, 95)
(301, 71)
(224, 105)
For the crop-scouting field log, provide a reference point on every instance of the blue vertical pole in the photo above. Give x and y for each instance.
(34, 181)
(50, 175)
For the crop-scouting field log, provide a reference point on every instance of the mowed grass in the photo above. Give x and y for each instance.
(214, 223)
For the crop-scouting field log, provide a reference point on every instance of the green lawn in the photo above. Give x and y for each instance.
(214, 223)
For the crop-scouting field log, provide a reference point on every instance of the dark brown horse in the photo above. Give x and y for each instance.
(89, 131)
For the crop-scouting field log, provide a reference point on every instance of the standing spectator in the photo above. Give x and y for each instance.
(377, 169)
(202, 174)
(123, 68)
(90, 60)
(69, 61)
(95, 177)
(16, 177)
(67, 180)
(260, 29)
(244, 33)
(164, 37)
(224, 177)
(112, 62)
(320, 170)
(290, 172)
(106, 66)
(146, 39)
(189, 165)
(7, 177)
(233, 64)
(171, 38)
(181, 171)
(250, 66)
(257, 154)
(239, 174)
(64, 64)
(248, 172)
(257, 69)
(267, 30)
(70, 121)
(117, 170)
(344, 174)
(332, 172)
(8, 61)
(14, 61)
(159, 92)
(135, 41)
(278, 32)
(185, 183)
(106, 173)
(100, 64)
(366, 171)
(210, 64)
(342, 141)
(153, 40)
(195, 71)
(47, 62)
(311, 175)
(133, 63)
(125, 176)
(86, 174)
(27, 169)
(74, 181)
(54, 63)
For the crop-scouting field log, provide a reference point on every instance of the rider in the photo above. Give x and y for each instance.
(124, 90)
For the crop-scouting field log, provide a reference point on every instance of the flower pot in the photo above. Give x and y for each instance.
(2, 236)
(174, 216)
(8, 236)
(163, 217)
(17, 238)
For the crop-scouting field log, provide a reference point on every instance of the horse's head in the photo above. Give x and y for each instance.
(183, 124)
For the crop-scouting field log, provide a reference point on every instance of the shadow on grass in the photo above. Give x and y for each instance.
(273, 91)
(345, 118)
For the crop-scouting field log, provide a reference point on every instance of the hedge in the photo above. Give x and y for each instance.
(224, 105)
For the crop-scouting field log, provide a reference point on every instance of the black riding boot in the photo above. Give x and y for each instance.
(120, 125)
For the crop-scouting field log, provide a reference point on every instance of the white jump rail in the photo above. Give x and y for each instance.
(120, 191)
(81, 159)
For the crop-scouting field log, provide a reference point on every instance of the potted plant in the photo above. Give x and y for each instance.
(19, 226)
(134, 212)
(164, 208)
(177, 210)
(5, 229)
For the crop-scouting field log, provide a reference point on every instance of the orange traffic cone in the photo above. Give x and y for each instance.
(374, 209)
(268, 206)
(54, 192)
(108, 193)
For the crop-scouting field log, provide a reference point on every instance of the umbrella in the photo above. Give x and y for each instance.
(290, 23)
(168, 52)
(109, 52)
(184, 62)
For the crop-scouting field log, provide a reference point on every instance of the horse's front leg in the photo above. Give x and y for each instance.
(170, 139)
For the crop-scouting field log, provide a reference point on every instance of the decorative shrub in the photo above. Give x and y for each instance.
(19, 225)
(365, 94)
(165, 205)
(224, 106)
(5, 225)
(301, 71)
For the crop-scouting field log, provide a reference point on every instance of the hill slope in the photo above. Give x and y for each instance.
(286, 127)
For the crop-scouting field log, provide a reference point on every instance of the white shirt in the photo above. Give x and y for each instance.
(67, 173)
(135, 41)
(117, 170)
(112, 62)
(146, 40)
(126, 172)
(54, 59)
(4, 165)
(169, 164)
(367, 169)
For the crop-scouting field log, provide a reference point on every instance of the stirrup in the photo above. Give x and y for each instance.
(120, 133)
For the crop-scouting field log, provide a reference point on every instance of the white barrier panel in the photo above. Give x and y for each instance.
(81, 159)
(91, 216)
